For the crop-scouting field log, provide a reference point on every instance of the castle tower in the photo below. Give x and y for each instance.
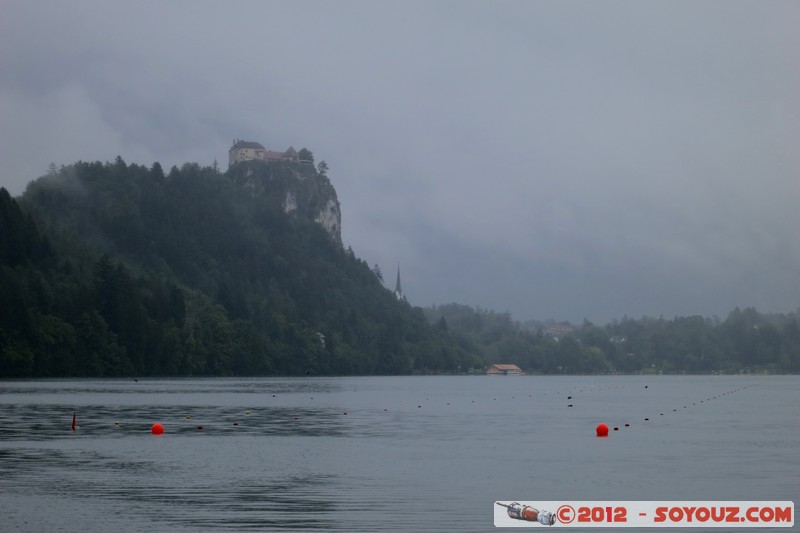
(244, 151)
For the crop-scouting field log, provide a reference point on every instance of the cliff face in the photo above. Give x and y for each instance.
(296, 188)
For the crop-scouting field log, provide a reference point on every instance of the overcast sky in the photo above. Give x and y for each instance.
(563, 160)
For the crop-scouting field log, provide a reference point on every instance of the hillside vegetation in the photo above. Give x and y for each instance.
(116, 269)
(110, 269)
(746, 341)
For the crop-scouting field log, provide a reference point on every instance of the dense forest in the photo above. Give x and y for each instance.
(110, 269)
(746, 341)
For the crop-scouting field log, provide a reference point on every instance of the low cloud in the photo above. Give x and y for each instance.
(551, 159)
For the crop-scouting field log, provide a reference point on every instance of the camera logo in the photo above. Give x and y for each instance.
(528, 513)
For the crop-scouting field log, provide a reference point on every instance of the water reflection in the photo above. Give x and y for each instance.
(367, 454)
(45, 422)
(170, 386)
(194, 501)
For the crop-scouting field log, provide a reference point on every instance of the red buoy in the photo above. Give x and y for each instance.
(73, 421)
(157, 429)
(602, 430)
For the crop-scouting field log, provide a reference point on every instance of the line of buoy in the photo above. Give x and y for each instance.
(601, 430)
(647, 419)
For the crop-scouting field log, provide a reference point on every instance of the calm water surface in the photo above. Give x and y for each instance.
(381, 453)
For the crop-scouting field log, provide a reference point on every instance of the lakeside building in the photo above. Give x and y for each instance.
(504, 370)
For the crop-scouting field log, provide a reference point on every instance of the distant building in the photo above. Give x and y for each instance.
(558, 331)
(398, 290)
(504, 370)
(253, 151)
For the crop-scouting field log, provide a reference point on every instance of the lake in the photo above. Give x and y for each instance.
(381, 453)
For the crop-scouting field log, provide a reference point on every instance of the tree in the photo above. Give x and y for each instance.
(157, 172)
(322, 168)
(305, 156)
(377, 271)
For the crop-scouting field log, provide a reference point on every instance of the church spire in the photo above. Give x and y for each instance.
(398, 290)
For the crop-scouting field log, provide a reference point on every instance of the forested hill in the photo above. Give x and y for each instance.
(109, 269)
(112, 269)
(745, 341)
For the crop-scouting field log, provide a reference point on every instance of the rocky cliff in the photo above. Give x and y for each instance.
(296, 188)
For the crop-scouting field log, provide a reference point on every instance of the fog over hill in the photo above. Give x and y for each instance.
(562, 160)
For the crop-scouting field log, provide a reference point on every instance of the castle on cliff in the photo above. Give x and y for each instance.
(253, 151)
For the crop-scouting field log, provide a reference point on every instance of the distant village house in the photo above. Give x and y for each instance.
(558, 331)
(504, 370)
(253, 151)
